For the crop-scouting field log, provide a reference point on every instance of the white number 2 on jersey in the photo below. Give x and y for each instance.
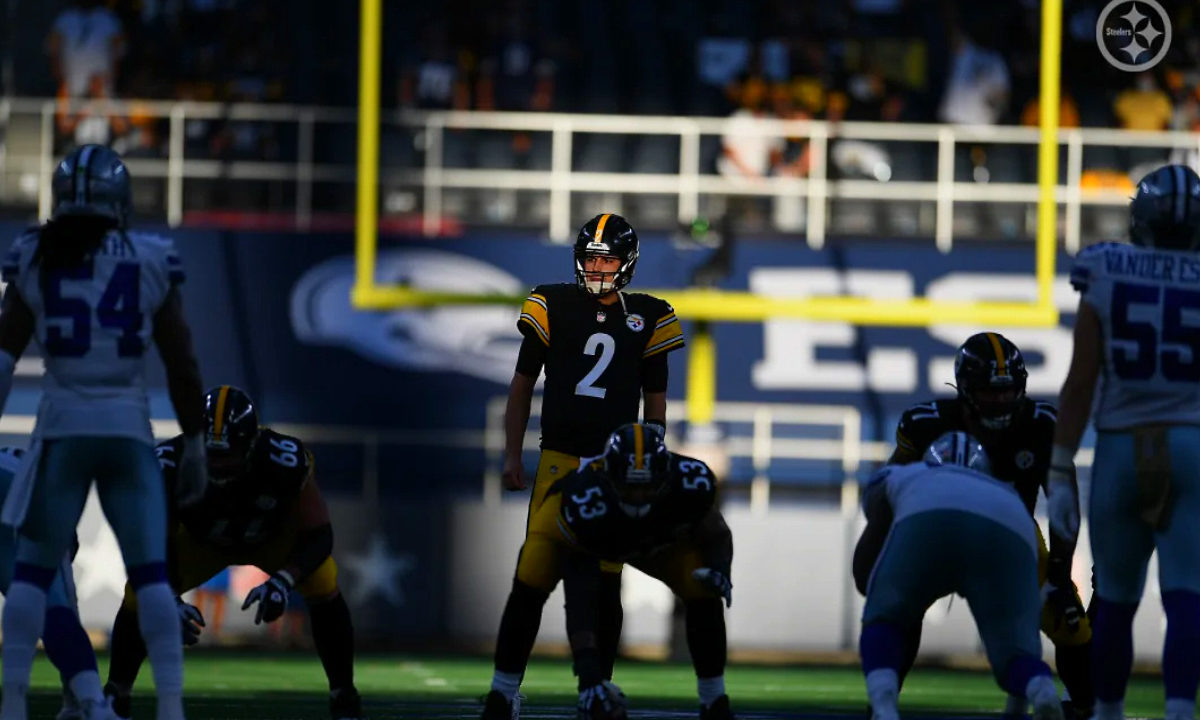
(604, 344)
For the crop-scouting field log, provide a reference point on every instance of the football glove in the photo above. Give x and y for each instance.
(1062, 502)
(716, 581)
(603, 701)
(193, 472)
(190, 620)
(1064, 602)
(271, 596)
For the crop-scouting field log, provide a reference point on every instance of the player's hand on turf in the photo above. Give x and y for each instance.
(193, 472)
(514, 473)
(190, 620)
(602, 701)
(1062, 502)
(716, 581)
(271, 596)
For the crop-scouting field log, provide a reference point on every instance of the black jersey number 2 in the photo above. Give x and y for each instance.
(603, 345)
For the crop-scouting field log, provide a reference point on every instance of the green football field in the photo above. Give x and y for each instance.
(262, 686)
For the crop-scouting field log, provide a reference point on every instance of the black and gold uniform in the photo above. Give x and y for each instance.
(1020, 455)
(249, 520)
(603, 351)
(261, 507)
(661, 542)
(598, 361)
(1018, 434)
(640, 504)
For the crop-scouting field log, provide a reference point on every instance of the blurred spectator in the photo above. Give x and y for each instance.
(514, 75)
(1144, 106)
(745, 151)
(1068, 112)
(436, 79)
(82, 122)
(978, 85)
(85, 41)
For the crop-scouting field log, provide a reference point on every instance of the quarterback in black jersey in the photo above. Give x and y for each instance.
(640, 504)
(262, 507)
(603, 351)
(1018, 434)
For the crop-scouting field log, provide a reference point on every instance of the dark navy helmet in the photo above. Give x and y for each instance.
(1165, 212)
(958, 448)
(92, 182)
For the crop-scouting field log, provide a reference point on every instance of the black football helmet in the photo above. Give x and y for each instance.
(231, 427)
(606, 235)
(1165, 212)
(636, 462)
(958, 448)
(990, 376)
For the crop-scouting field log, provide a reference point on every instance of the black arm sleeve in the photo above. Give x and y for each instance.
(532, 356)
(654, 373)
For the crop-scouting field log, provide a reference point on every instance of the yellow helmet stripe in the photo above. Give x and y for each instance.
(219, 414)
(600, 227)
(1001, 368)
(639, 443)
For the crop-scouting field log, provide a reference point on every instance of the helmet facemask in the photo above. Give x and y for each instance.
(608, 273)
(995, 406)
(231, 430)
(637, 479)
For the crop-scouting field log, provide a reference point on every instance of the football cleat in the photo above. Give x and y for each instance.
(958, 448)
(990, 376)
(231, 427)
(345, 704)
(636, 463)
(1165, 212)
(497, 707)
(609, 236)
(121, 704)
(719, 710)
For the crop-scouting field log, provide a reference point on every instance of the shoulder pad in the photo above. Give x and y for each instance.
(167, 451)
(694, 482)
(284, 459)
(1087, 264)
(160, 250)
(920, 425)
(24, 245)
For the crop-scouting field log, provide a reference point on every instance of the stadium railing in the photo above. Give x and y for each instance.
(31, 156)
(760, 434)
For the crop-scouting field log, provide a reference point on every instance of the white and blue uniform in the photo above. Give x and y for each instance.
(94, 325)
(955, 530)
(62, 591)
(1145, 483)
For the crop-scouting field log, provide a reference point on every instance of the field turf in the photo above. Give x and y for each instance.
(272, 686)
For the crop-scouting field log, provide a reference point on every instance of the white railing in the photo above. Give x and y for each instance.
(561, 180)
(761, 446)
